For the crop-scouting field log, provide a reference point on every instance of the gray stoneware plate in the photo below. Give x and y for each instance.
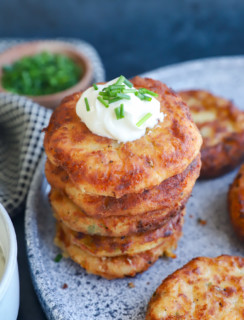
(89, 297)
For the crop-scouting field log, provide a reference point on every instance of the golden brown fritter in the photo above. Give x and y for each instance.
(236, 203)
(115, 267)
(168, 196)
(204, 289)
(101, 166)
(112, 226)
(222, 127)
(116, 246)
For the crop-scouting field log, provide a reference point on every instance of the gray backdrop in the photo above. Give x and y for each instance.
(133, 36)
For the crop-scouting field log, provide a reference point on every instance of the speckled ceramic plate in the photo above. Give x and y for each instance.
(91, 297)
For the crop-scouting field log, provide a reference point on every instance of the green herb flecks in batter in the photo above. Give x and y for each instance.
(58, 257)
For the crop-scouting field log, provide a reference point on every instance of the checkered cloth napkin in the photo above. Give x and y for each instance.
(21, 145)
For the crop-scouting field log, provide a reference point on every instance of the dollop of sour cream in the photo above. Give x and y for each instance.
(103, 121)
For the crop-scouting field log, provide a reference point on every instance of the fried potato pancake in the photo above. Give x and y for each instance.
(102, 166)
(113, 226)
(204, 289)
(222, 127)
(130, 245)
(236, 203)
(168, 196)
(115, 267)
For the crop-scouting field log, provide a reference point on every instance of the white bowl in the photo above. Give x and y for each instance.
(9, 283)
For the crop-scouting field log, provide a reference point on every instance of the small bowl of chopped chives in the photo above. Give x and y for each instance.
(44, 71)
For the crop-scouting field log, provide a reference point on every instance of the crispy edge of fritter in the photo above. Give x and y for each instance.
(168, 195)
(236, 203)
(193, 288)
(226, 155)
(101, 166)
(116, 267)
(112, 226)
(222, 158)
(128, 245)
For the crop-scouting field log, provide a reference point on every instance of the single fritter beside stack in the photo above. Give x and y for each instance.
(203, 289)
(222, 127)
(236, 203)
(120, 205)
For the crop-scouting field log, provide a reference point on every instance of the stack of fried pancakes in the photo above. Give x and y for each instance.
(120, 206)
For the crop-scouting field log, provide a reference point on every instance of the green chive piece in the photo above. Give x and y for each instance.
(144, 119)
(122, 112)
(58, 257)
(123, 96)
(103, 102)
(151, 93)
(114, 92)
(143, 96)
(120, 80)
(114, 87)
(105, 96)
(103, 93)
(146, 98)
(128, 83)
(119, 111)
(95, 86)
(129, 91)
(87, 104)
(114, 99)
(139, 95)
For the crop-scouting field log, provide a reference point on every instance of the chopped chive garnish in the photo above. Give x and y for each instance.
(151, 93)
(139, 95)
(119, 111)
(115, 99)
(128, 83)
(58, 257)
(120, 80)
(122, 113)
(87, 104)
(105, 96)
(114, 92)
(101, 93)
(123, 96)
(142, 96)
(114, 87)
(95, 86)
(103, 102)
(144, 119)
(129, 91)
(120, 90)
(146, 98)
